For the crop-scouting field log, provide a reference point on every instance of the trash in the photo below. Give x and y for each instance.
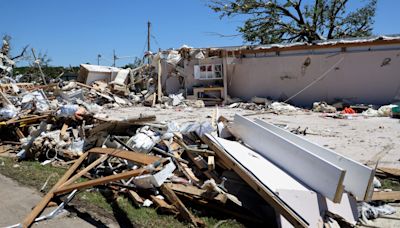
(370, 112)
(8, 112)
(144, 140)
(176, 99)
(348, 111)
(367, 211)
(323, 107)
(282, 107)
(386, 110)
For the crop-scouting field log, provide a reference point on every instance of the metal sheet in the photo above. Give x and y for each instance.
(358, 179)
(317, 173)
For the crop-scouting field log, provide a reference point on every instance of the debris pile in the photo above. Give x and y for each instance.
(170, 166)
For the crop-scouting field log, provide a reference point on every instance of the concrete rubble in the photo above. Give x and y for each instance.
(231, 167)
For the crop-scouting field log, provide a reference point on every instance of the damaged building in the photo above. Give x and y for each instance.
(351, 70)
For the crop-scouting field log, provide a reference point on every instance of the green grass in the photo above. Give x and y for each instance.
(33, 174)
(390, 184)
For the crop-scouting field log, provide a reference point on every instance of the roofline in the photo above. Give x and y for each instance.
(339, 43)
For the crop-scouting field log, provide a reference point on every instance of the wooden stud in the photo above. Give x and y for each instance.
(394, 195)
(163, 206)
(183, 211)
(128, 155)
(46, 199)
(84, 171)
(100, 181)
(211, 163)
(135, 198)
(63, 130)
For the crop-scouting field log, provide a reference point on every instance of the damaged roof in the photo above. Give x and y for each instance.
(344, 42)
(96, 68)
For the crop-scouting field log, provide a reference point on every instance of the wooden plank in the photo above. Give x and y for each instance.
(197, 192)
(46, 199)
(394, 195)
(321, 175)
(137, 157)
(163, 206)
(135, 198)
(63, 130)
(85, 170)
(188, 172)
(100, 181)
(19, 133)
(358, 179)
(390, 171)
(27, 120)
(269, 196)
(210, 163)
(183, 211)
(201, 164)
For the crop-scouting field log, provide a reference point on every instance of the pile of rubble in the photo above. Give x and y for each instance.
(166, 165)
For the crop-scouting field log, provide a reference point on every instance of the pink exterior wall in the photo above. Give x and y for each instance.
(359, 78)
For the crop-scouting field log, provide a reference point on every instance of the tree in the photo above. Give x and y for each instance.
(285, 21)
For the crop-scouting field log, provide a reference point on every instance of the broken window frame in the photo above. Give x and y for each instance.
(208, 71)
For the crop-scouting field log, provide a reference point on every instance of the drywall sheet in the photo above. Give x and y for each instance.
(358, 179)
(321, 175)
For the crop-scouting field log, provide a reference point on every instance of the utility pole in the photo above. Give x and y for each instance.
(148, 41)
(98, 59)
(114, 58)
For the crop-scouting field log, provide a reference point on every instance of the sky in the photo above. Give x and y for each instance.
(71, 32)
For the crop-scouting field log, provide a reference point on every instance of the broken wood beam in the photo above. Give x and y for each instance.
(183, 211)
(85, 170)
(137, 200)
(163, 206)
(46, 199)
(197, 192)
(128, 155)
(100, 181)
(211, 163)
(393, 195)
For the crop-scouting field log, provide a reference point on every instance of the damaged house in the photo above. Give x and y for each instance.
(363, 70)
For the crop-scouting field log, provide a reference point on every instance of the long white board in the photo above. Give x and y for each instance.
(358, 179)
(317, 173)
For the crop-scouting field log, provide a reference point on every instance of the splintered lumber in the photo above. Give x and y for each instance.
(163, 206)
(390, 171)
(26, 120)
(46, 199)
(201, 164)
(135, 198)
(100, 181)
(211, 163)
(85, 170)
(321, 175)
(393, 195)
(358, 179)
(19, 133)
(63, 130)
(183, 211)
(197, 192)
(113, 123)
(254, 182)
(137, 157)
